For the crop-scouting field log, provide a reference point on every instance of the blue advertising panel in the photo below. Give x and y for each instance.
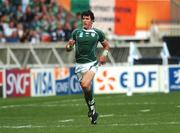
(174, 78)
(74, 85)
(66, 81)
(62, 76)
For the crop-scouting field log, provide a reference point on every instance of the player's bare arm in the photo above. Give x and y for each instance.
(70, 45)
(103, 57)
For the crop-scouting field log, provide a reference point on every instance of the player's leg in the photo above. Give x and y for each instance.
(87, 89)
(86, 84)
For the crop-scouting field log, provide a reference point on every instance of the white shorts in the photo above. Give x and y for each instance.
(80, 69)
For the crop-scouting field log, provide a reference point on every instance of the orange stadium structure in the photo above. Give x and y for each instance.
(129, 15)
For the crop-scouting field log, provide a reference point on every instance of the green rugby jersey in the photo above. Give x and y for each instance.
(86, 44)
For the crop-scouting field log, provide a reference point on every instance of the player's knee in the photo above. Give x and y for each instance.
(84, 85)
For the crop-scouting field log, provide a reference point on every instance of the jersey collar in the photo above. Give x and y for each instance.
(89, 30)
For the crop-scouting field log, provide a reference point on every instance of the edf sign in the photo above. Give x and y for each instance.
(139, 79)
(121, 79)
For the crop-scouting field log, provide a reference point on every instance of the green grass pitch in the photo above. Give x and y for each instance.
(140, 113)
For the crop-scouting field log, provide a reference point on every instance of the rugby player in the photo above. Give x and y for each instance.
(85, 40)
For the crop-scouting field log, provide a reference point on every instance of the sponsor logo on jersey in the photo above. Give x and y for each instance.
(81, 34)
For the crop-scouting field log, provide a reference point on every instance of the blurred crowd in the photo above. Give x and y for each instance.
(35, 21)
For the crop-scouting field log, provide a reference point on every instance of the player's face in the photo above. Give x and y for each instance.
(87, 22)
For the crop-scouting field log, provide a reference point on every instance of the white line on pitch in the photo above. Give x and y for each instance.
(108, 115)
(65, 121)
(145, 110)
(77, 104)
(106, 125)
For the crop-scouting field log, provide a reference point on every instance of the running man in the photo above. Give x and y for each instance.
(85, 40)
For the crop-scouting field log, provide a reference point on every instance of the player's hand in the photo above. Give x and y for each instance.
(71, 42)
(102, 60)
(70, 45)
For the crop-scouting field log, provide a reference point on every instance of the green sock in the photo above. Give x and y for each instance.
(88, 95)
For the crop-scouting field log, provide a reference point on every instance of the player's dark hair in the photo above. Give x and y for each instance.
(88, 13)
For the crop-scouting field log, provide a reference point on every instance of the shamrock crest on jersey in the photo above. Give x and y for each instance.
(93, 34)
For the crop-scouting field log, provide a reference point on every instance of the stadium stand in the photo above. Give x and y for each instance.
(34, 21)
(23, 24)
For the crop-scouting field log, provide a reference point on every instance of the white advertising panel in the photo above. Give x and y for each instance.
(107, 80)
(163, 79)
(123, 79)
(42, 82)
(145, 79)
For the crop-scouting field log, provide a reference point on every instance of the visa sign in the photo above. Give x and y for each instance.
(42, 82)
(120, 79)
(17, 82)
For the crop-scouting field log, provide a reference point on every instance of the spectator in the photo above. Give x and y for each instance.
(28, 17)
(9, 28)
(25, 20)
(2, 38)
(34, 37)
(19, 13)
(60, 32)
(53, 7)
(1, 25)
(6, 8)
(74, 25)
(20, 31)
(36, 23)
(25, 3)
(67, 30)
(13, 38)
(77, 20)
